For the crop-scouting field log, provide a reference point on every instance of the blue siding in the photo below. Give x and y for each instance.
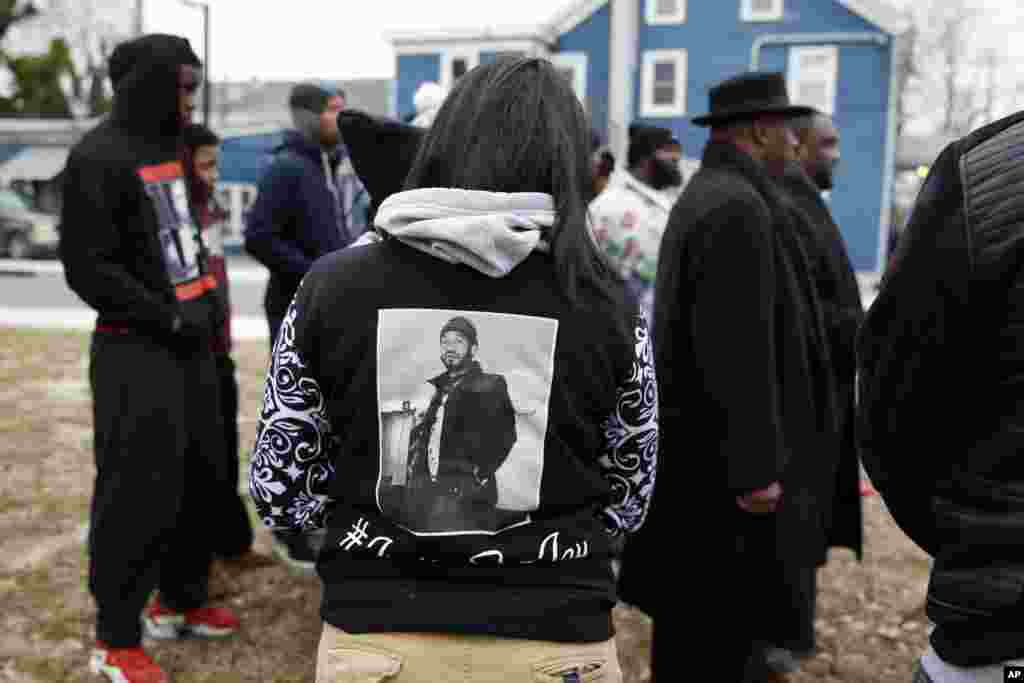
(719, 46)
(591, 37)
(411, 71)
(9, 151)
(244, 158)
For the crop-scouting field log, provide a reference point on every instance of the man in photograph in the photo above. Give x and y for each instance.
(460, 439)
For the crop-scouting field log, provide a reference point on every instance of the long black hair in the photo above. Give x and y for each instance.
(515, 125)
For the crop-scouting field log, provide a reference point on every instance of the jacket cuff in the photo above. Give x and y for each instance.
(750, 476)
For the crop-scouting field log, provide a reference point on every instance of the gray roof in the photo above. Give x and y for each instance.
(242, 107)
(250, 104)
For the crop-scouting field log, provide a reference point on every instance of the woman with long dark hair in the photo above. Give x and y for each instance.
(469, 406)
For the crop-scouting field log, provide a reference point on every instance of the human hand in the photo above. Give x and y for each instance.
(762, 501)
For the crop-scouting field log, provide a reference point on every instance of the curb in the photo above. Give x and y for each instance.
(237, 273)
(83, 319)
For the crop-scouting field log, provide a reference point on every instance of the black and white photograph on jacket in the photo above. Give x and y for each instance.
(463, 411)
(177, 231)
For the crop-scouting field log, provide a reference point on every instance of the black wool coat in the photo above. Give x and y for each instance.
(745, 383)
(842, 314)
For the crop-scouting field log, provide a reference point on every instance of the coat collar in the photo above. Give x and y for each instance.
(296, 141)
(727, 155)
(442, 380)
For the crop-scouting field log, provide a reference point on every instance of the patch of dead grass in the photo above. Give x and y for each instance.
(870, 627)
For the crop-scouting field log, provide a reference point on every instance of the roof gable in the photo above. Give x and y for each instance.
(878, 12)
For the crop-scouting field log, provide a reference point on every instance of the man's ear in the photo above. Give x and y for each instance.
(802, 149)
(760, 133)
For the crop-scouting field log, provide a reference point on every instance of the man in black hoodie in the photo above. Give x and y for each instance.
(132, 250)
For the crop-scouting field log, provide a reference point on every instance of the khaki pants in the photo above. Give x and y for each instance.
(444, 658)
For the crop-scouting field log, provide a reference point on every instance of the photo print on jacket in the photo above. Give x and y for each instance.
(178, 235)
(463, 415)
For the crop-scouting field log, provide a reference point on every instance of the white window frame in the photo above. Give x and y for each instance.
(648, 109)
(577, 61)
(829, 75)
(655, 19)
(748, 13)
(448, 58)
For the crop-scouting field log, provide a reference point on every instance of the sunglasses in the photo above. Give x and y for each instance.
(191, 87)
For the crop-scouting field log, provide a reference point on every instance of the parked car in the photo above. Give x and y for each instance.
(25, 233)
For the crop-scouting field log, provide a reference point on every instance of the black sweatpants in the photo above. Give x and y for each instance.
(160, 462)
(794, 592)
(236, 535)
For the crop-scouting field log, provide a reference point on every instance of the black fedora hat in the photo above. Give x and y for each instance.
(747, 96)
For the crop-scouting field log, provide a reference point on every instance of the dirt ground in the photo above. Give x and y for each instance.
(870, 623)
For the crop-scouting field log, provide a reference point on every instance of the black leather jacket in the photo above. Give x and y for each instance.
(941, 414)
(477, 434)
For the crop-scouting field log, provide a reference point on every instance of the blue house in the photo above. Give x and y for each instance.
(655, 61)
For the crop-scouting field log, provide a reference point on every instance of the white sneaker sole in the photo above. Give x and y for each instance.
(175, 628)
(205, 631)
(168, 628)
(98, 667)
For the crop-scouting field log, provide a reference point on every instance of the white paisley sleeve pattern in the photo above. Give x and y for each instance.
(630, 458)
(290, 468)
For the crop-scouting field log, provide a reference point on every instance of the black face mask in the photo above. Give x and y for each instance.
(665, 174)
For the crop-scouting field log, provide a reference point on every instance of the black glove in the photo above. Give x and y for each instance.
(190, 333)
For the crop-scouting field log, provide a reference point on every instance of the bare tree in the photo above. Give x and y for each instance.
(906, 72)
(13, 12)
(91, 29)
(951, 78)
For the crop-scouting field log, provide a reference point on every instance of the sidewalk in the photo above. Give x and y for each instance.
(242, 327)
(240, 269)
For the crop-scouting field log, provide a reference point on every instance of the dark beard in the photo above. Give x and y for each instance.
(665, 174)
(458, 367)
(822, 177)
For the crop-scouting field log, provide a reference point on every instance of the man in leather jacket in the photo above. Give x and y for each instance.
(948, 323)
(461, 438)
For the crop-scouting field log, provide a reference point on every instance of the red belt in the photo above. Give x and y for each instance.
(113, 329)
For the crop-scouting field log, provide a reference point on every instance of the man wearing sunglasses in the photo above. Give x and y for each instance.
(132, 250)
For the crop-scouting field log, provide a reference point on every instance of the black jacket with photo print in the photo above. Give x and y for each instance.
(581, 469)
(129, 241)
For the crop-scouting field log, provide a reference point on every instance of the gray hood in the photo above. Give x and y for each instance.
(492, 232)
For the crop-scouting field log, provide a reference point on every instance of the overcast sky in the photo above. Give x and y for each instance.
(330, 39)
(303, 38)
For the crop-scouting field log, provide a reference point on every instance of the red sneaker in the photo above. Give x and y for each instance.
(204, 622)
(125, 665)
(211, 622)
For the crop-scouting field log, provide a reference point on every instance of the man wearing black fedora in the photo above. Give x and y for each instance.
(746, 391)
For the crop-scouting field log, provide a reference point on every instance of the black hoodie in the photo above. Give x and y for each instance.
(129, 240)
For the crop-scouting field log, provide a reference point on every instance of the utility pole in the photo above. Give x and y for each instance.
(140, 13)
(207, 73)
